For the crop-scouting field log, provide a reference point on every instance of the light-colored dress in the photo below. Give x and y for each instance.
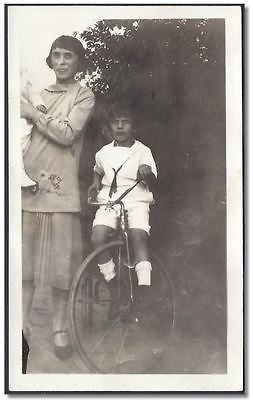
(52, 246)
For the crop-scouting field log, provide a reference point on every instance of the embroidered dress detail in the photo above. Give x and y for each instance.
(53, 156)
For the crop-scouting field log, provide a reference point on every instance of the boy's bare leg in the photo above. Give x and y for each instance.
(139, 244)
(101, 235)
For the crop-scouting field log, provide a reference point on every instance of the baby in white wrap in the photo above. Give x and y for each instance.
(28, 95)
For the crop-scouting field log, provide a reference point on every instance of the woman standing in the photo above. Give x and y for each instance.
(52, 247)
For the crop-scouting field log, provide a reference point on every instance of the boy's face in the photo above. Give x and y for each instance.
(122, 132)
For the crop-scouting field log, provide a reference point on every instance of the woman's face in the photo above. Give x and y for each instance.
(65, 64)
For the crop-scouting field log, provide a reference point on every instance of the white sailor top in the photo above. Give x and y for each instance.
(125, 160)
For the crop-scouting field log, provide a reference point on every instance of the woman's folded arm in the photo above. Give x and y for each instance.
(66, 131)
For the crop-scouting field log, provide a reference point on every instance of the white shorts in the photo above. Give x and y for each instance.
(137, 212)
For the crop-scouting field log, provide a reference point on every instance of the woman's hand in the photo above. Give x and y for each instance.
(29, 112)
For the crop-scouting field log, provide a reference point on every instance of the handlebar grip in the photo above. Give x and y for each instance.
(96, 203)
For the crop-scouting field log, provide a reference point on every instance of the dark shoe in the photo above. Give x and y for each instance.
(62, 352)
(114, 301)
(143, 302)
(143, 310)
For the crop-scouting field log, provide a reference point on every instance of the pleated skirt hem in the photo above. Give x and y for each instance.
(51, 248)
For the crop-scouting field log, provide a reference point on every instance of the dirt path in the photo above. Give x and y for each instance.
(198, 346)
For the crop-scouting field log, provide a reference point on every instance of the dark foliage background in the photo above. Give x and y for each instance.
(172, 73)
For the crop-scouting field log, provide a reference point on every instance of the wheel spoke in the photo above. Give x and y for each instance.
(104, 335)
(116, 346)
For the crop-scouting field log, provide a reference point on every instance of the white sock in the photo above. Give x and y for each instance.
(143, 270)
(108, 270)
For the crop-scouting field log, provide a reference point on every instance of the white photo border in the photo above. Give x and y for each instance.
(233, 381)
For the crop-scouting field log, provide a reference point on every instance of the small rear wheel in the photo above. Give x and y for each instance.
(119, 345)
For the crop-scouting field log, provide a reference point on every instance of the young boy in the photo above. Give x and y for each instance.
(28, 95)
(118, 165)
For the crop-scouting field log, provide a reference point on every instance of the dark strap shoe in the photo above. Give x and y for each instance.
(114, 300)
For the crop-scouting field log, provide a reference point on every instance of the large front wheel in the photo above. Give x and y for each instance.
(119, 345)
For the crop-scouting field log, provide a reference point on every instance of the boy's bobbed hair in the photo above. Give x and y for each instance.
(120, 109)
(72, 44)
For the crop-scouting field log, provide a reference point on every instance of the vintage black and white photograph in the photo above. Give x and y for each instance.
(125, 207)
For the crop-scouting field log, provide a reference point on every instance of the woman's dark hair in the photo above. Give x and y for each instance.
(72, 44)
